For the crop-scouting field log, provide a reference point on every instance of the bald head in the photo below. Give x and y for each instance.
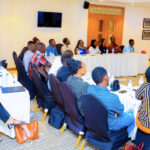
(41, 47)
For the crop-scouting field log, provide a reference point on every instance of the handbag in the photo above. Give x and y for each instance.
(128, 146)
(26, 132)
(56, 118)
(115, 86)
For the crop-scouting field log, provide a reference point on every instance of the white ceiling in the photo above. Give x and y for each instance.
(144, 3)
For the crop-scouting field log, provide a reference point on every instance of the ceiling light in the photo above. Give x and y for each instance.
(132, 4)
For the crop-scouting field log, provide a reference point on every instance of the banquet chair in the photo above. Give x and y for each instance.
(58, 47)
(23, 77)
(73, 118)
(54, 84)
(96, 125)
(44, 96)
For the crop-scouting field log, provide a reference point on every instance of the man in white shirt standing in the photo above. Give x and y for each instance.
(66, 46)
(28, 55)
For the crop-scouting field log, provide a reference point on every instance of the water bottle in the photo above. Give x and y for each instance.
(14, 78)
(141, 80)
(112, 78)
(6, 79)
(45, 54)
(1, 79)
(113, 50)
(107, 51)
(130, 84)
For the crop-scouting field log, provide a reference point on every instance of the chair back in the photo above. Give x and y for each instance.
(23, 77)
(95, 115)
(69, 100)
(54, 83)
(58, 47)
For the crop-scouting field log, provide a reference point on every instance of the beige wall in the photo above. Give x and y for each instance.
(18, 24)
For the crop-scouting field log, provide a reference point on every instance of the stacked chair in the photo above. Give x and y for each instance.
(23, 77)
(44, 96)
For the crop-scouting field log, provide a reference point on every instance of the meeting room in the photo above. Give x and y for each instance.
(75, 74)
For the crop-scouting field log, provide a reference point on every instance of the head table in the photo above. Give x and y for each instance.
(17, 104)
(130, 64)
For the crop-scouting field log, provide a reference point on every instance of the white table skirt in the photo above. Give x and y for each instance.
(17, 104)
(117, 64)
(131, 104)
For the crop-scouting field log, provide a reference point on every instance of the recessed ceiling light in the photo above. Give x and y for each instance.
(132, 4)
(101, 0)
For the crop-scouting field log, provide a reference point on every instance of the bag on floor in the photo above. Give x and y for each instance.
(56, 118)
(132, 147)
(26, 132)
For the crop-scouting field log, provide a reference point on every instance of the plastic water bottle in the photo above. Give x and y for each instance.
(112, 78)
(107, 51)
(1, 79)
(6, 79)
(14, 78)
(45, 54)
(141, 80)
(113, 50)
(130, 84)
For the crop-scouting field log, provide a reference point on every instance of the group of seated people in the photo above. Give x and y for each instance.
(69, 70)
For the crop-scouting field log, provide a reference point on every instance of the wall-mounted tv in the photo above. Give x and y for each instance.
(49, 19)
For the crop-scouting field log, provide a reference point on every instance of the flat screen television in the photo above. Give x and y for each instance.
(49, 19)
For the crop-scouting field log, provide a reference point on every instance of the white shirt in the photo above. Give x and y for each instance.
(94, 50)
(65, 48)
(55, 66)
(26, 59)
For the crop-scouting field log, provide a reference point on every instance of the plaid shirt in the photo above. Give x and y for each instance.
(37, 60)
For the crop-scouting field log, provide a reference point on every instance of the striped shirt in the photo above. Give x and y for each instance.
(143, 117)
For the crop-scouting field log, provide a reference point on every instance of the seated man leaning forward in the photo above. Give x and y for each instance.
(117, 118)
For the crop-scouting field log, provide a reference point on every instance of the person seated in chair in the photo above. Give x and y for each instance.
(66, 45)
(80, 48)
(39, 61)
(117, 119)
(58, 64)
(75, 81)
(7, 118)
(28, 55)
(130, 47)
(143, 116)
(113, 47)
(93, 49)
(51, 49)
(64, 72)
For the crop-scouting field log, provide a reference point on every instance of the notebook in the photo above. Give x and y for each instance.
(12, 89)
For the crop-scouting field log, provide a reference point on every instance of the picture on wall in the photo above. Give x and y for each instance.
(146, 23)
(146, 35)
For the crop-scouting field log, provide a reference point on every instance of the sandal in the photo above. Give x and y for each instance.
(14, 124)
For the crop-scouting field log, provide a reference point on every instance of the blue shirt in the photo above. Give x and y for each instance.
(128, 49)
(63, 73)
(26, 59)
(81, 51)
(111, 102)
(51, 49)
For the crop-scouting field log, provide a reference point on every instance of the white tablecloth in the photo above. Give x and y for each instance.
(117, 64)
(17, 104)
(131, 104)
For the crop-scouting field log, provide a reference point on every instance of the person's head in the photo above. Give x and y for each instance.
(76, 67)
(100, 76)
(41, 47)
(102, 41)
(147, 74)
(52, 42)
(31, 46)
(131, 42)
(36, 40)
(94, 43)
(113, 39)
(65, 57)
(66, 41)
(80, 43)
